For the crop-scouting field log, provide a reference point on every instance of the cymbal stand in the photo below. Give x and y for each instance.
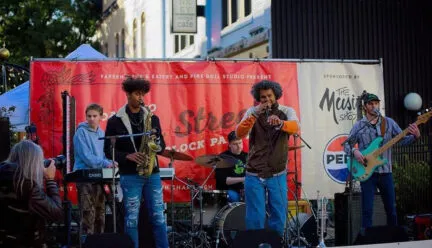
(196, 191)
(207, 178)
(200, 232)
(170, 165)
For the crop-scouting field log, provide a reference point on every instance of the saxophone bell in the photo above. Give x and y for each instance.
(154, 146)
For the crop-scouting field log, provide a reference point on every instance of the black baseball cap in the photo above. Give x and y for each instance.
(370, 97)
(232, 136)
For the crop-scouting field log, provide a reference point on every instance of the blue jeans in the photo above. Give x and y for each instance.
(233, 196)
(384, 182)
(255, 194)
(134, 187)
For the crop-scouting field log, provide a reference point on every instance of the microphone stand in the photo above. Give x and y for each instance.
(297, 185)
(304, 141)
(349, 185)
(113, 143)
(113, 140)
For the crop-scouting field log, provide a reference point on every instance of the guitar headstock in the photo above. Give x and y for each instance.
(424, 116)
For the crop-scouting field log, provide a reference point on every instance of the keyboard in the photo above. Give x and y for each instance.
(105, 175)
(91, 175)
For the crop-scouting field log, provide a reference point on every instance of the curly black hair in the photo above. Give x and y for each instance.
(136, 84)
(265, 85)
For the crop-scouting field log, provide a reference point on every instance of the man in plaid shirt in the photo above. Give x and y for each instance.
(363, 133)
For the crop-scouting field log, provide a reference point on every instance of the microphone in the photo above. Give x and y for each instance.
(377, 112)
(153, 131)
(267, 112)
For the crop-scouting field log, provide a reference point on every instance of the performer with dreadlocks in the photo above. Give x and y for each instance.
(269, 125)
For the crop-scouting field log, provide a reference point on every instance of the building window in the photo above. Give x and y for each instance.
(123, 43)
(234, 10)
(247, 7)
(143, 50)
(134, 34)
(117, 46)
(182, 41)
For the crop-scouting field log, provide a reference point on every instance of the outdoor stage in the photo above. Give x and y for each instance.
(411, 244)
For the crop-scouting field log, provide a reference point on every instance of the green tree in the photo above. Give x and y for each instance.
(46, 28)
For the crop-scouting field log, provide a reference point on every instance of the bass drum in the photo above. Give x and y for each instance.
(229, 221)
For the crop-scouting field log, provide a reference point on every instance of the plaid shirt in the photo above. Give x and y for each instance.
(363, 133)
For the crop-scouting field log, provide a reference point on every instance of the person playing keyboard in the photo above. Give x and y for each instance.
(89, 154)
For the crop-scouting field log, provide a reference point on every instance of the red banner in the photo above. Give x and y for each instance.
(198, 103)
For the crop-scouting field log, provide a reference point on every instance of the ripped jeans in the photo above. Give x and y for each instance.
(134, 187)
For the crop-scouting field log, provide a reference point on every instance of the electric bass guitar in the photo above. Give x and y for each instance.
(373, 153)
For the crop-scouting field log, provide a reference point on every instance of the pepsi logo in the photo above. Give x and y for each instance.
(335, 160)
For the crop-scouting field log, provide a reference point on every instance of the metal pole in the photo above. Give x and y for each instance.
(364, 61)
(296, 191)
(114, 188)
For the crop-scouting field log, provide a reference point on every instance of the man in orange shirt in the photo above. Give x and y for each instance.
(269, 125)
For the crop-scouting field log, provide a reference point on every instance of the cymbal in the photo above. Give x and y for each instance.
(176, 155)
(291, 148)
(216, 160)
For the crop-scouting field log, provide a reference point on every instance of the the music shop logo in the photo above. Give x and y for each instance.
(335, 159)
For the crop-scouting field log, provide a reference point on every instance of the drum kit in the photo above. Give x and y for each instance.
(212, 217)
(214, 221)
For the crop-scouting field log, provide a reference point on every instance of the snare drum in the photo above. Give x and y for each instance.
(212, 202)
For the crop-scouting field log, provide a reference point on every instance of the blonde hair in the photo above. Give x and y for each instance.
(29, 160)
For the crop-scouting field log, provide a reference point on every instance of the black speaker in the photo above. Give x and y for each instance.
(108, 240)
(255, 238)
(382, 234)
(341, 216)
(5, 138)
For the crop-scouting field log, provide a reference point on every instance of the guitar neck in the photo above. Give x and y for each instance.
(393, 141)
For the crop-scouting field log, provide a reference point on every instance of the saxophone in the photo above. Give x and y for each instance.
(149, 146)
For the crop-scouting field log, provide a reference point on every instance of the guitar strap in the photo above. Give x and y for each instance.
(383, 126)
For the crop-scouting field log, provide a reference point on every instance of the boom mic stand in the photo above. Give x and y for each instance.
(113, 140)
(352, 142)
(349, 188)
(296, 190)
